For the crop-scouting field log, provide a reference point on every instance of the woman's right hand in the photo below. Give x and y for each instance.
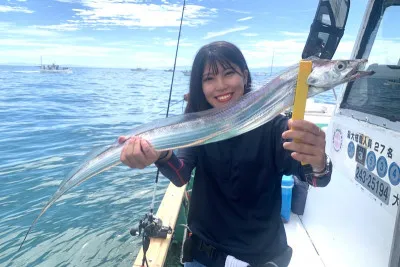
(137, 152)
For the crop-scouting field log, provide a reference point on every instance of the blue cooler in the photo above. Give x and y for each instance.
(287, 186)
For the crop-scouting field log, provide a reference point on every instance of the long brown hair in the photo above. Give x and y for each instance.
(221, 52)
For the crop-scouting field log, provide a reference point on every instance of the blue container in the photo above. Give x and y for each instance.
(287, 186)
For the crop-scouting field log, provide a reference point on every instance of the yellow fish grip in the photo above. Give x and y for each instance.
(301, 91)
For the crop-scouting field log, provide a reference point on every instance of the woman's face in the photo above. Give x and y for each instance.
(224, 87)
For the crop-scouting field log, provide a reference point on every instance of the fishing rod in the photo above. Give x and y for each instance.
(169, 98)
(151, 225)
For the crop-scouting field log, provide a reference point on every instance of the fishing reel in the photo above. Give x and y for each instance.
(151, 227)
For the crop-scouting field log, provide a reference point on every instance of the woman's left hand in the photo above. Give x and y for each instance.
(308, 143)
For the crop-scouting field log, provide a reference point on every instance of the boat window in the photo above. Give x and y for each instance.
(380, 94)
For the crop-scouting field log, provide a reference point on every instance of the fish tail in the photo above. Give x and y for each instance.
(51, 201)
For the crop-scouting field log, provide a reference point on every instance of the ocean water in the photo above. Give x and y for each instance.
(48, 123)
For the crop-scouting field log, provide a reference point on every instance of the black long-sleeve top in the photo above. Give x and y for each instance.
(236, 198)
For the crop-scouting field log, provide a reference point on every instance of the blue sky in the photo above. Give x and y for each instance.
(143, 33)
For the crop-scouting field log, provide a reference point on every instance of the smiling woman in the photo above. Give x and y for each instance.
(222, 84)
(234, 215)
(219, 74)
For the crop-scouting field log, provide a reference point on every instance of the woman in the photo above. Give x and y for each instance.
(234, 213)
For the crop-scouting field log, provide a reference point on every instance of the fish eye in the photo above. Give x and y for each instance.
(341, 65)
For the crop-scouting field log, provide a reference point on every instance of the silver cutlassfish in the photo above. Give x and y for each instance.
(251, 111)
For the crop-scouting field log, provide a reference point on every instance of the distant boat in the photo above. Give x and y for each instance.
(170, 70)
(54, 69)
(260, 74)
(138, 69)
(186, 72)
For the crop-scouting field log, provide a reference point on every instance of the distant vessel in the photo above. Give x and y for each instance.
(260, 74)
(186, 72)
(138, 69)
(53, 68)
(169, 70)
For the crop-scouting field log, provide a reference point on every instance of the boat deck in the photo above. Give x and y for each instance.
(304, 252)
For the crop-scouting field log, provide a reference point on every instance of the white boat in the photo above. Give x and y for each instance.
(355, 220)
(54, 69)
(186, 72)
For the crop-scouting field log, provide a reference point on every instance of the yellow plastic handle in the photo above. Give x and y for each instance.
(300, 98)
(301, 92)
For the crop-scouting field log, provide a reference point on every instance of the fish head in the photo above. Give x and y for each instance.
(330, 73)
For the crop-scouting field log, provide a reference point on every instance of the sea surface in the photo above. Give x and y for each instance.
(48, 123)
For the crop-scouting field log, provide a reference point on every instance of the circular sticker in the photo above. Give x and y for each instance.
(371, 161)
(381, 166)
(337, 140)
(350, 149)
(394, 174)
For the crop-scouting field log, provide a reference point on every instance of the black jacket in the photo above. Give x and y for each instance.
(236, 198)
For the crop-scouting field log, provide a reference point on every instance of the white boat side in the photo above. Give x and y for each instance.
(354, 221)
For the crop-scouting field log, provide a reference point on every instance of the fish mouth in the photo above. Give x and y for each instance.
(356, 73)
(359, 74)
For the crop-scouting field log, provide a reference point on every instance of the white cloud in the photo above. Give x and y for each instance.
(385, 52)
(19, 43)
(288, 52)
(135, 13)
(294, 34)
(31, 31)
(344, 49)
(173, 43)
(86, 2)
(15, 9)
(221, 33)
(285, 52)
(66, 52)
(70, 1)
(160, 41)
(84, 39)
(28, 49)
(60, 27)
(5, 25)
(246, 18)
(102, 29)
(37, 31)
(249, 34)
(237, 11)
